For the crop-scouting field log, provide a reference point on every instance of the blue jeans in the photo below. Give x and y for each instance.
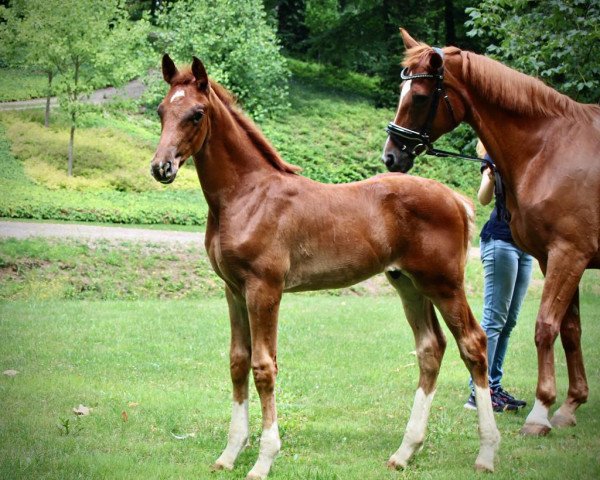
(507, 271)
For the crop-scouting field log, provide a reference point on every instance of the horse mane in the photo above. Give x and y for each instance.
(185, 77)
(508, 88)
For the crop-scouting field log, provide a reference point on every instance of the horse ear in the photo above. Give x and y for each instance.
(409, 42)
(200, 74)
(169, 70)
(435, 61)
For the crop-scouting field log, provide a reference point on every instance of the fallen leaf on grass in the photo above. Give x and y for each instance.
(124, 416)
(10, 373)
(183, 436)
(82, 410)
(133, 404)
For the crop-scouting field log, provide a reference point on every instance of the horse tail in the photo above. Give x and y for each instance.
(468, 209)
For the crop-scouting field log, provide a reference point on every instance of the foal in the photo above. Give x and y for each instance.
(271, 231)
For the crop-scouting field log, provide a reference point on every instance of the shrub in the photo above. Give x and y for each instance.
(237, 45)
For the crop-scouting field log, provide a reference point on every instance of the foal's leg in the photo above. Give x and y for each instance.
(570, 335)
(263, 308)
(239, 364)
(564, 271)
(430, 343)
(471, 341)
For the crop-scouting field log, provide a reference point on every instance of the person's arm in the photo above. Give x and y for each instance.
(486, 189)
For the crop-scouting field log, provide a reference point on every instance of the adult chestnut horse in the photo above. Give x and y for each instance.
(547, 149)
(270, 230)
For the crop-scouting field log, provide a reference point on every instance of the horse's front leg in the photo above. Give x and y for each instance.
(570, 335)
(564, 270)
(239, 364)
(263, 309)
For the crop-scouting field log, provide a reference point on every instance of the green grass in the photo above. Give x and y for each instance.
(332, 130)
(345, 388)
(17, 84)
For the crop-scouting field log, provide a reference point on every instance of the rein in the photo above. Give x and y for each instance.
(419, 142)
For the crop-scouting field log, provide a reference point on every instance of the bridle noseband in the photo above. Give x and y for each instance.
(416, 143)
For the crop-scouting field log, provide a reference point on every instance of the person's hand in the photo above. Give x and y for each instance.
(490, 173)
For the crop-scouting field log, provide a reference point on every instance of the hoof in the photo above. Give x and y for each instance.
(484, 467)
(560, 420)
(535, 430)
(395, 465)
(254, 476)
(220, 466)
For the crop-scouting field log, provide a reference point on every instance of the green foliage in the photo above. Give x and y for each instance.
(19, 84)
(105, 270)
(113, 183)
(556, 40)
(334, 78)
(237, 45)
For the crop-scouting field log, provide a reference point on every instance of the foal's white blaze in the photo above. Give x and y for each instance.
(238, 435)
(177, 95)
(539, 415)
(415, 429)
(270, 444)
(489, 436)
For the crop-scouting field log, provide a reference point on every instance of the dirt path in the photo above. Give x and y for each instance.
(132, 90)
(90, 232)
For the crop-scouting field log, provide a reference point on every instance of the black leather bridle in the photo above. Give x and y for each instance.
(416, 143)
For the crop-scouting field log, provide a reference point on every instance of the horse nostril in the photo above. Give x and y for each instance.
(389, 160)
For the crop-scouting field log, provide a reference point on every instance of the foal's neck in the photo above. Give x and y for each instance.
(229, 164)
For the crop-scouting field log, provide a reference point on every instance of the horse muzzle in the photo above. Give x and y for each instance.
(164, 171)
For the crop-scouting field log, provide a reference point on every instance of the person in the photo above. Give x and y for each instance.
(507, 271)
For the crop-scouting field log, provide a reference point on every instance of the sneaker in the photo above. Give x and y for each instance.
(509, 399)
(471, 405)
(498, 405)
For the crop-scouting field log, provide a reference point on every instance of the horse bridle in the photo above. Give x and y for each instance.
(417, 143)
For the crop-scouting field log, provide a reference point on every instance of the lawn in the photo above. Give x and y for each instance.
(345, 388)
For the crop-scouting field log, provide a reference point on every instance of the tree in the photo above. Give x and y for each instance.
(557, 40)
(90, 43)
(28, 35)
(236, 43)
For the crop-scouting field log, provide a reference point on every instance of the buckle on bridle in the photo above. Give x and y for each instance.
(416, 143)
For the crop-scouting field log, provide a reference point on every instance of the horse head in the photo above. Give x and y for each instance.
(183, 117)
(427, 108)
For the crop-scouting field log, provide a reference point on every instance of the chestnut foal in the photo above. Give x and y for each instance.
(271, 231)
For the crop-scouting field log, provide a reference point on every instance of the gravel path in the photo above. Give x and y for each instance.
(133, 90)
(90, 232)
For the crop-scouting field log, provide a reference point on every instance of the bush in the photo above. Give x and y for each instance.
(237, 45)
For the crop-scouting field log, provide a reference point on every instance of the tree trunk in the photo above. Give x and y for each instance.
(48, 95)
(449, 22)
(75, 97)
(71, 139)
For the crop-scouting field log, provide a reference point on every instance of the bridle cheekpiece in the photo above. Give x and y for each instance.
(417, 143)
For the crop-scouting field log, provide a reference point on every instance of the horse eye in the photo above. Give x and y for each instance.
(197, 117)
(419, 99)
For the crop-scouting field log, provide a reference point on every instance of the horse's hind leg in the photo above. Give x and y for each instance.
(570, 335)
(471, 341)
(430, 343)
(239, 362)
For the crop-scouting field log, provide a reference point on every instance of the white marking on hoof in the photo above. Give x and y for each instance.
(563, 417)
(414, 435)
(238, 436)
(537, 422)
(489, 436)
(270, 444)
